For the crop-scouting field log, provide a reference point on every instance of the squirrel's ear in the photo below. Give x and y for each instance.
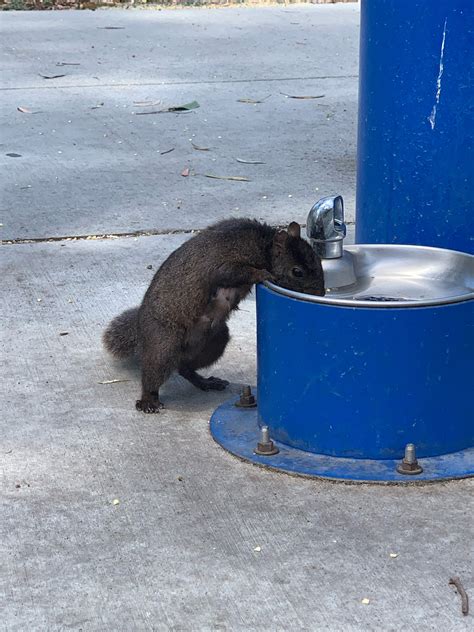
(294, 229)
(279, 241)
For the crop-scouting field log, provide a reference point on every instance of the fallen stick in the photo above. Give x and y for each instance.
(456, 582)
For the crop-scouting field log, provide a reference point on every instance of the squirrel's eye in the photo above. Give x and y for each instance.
(297, 272)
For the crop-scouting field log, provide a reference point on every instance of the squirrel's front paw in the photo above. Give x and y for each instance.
(263, 275)
(148, 406)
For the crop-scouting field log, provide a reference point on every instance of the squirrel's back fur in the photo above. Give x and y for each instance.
(180, 290)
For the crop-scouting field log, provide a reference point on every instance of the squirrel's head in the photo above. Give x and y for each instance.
(294, 264)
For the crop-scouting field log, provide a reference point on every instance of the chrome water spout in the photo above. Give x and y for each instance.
(326, 230)
(325, 227)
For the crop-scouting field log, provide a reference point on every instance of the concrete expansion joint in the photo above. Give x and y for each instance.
(101, 236)
(105, 236)
(203, 82)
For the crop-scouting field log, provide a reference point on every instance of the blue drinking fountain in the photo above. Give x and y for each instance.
(374, 381)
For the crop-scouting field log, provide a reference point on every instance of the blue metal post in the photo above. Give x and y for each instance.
(415, 180)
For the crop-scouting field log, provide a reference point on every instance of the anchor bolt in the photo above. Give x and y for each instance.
(410, 464)
(266, 447)
(247, 399)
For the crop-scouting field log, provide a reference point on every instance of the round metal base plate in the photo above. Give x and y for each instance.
(237, 430)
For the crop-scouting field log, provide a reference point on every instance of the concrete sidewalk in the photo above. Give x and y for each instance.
(114, 520)
(86, 169)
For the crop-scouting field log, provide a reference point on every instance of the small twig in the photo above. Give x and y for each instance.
(456, 582)
(116, 381)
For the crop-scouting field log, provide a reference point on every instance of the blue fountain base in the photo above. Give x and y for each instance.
(237, 431)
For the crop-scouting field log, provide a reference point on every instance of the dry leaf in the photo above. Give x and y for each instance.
(250, 162)
(111, 28)
(116, 381)
(185, 172)
(393, 555)
(174, 108)
(254, 101)
(99, 105)
(293, 96)
(64, 333)
(24, 110)
(187, 106)
(67, 63)
(12, 154)
(50, 76)
(236, 178)
(199, 148)
(167, 151)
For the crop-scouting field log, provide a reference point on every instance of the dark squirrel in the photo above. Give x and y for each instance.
(181, 323)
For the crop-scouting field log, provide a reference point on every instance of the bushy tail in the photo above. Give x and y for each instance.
(121, 336)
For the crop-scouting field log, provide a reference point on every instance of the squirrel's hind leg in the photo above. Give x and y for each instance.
(209, 354)
(159, 357)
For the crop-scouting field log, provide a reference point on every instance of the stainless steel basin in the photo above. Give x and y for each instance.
(394, 276)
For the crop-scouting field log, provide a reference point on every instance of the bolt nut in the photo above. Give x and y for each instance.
(409, 468)
(247, 399)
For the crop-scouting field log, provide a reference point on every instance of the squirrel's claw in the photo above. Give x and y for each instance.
(148, 406)
(213, 384)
